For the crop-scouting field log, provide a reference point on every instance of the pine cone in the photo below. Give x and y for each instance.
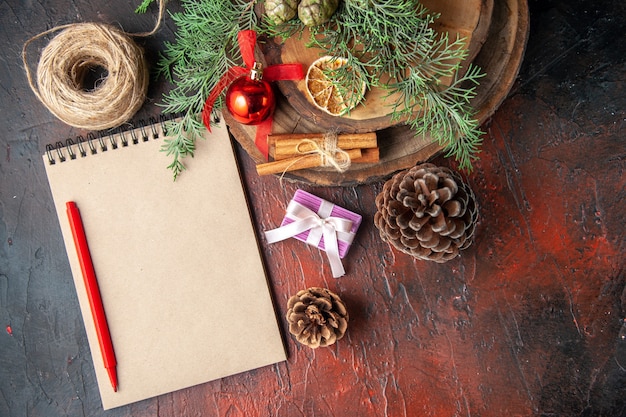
(317, 317)
(281, 11)
(427, 212)
(316, 12)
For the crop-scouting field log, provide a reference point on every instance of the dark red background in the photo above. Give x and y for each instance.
(528, 321)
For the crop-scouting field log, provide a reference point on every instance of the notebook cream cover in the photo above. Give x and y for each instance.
(178, 265)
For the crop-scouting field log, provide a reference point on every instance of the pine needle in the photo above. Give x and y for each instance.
(143, 7)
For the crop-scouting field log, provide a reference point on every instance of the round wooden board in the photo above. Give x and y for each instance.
(500, 58)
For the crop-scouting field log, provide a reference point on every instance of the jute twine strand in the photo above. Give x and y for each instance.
(67, 61)
(330, 154)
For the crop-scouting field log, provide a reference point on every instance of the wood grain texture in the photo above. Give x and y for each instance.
(529, 321)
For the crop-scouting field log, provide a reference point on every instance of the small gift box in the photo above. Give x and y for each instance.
(319, 223)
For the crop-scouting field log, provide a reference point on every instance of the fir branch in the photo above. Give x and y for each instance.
(143, 7)
(205, 48)
(443, 113)
(180, 142)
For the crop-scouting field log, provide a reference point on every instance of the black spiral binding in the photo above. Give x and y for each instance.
(103, 141)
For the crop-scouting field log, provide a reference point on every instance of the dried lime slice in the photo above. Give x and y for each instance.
(329, 94)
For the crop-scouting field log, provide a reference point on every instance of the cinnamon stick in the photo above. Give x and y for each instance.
(368, 156)
(287, 145)
(298, 162)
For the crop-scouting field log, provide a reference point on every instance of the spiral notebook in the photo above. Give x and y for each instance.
(177, 262)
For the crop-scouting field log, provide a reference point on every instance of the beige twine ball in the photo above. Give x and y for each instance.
(74, 54)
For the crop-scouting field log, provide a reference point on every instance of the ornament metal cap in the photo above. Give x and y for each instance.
(256, 73)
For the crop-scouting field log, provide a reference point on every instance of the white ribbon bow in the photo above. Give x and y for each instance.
(319, 224)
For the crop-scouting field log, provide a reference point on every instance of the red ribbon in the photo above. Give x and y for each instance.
(247, 43)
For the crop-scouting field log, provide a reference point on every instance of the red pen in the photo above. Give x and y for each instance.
(93, 292)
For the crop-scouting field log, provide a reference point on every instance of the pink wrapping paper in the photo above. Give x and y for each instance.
(319, 223)
(314, 203)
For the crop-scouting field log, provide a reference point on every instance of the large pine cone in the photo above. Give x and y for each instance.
(427, 212)
(317, 317)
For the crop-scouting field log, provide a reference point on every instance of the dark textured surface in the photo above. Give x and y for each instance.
(528, 321)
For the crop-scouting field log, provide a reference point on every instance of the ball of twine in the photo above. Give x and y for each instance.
(73, 56)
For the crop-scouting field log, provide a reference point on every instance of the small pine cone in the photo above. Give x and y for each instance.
(427, 212)
(316, 12)
(317, 317)
(281, 11)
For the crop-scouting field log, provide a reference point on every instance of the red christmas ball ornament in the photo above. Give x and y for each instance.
(249, 98)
